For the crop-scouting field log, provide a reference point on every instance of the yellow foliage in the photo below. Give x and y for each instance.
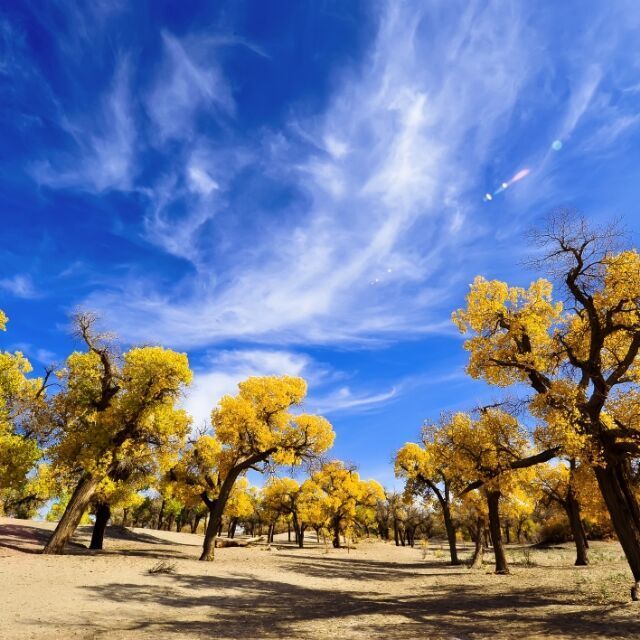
(141, 425)
(334, 494)
(510, 325)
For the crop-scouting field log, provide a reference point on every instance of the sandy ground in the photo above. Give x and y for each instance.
(374, 591)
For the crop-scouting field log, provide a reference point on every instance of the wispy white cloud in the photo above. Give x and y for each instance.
(225, 369)
(188, 81)
(389, 178)
(20, 285)
(344, 400)
(104, 143)
(384, 181)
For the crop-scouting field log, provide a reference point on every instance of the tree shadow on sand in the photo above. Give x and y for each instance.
(365, 569)
(242, 605)
(29, 539)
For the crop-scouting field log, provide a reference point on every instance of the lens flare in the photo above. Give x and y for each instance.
(523, 173)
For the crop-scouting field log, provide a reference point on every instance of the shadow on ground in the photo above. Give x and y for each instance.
(242, 605)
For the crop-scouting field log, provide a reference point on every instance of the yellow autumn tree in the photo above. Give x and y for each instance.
(109, 415)
(252, 429)
(282, 496)
(27, 497)
(19, 400)
(558, 484)
(472, 508)
(341, 492)
(239, 506)
(486, 448)
(581, 362)
(426, 467)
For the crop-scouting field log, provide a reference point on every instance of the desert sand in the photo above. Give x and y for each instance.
(377, 590)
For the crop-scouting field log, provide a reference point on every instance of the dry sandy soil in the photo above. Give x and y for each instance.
(374, 591)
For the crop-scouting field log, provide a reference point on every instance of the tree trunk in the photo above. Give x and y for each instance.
(298, 529)
(103, 513)
(493, 500)
(125, 514)
(478, 552)
(584, 533)
(336, 533)
(216, 511)
(161, 515)
(72, 515)
(451, 532)
(572, 507)
(194, 523)
(211, 530)
(396, 537)
(614, 480)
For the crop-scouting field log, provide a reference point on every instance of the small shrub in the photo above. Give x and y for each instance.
(527, 558)
(163, 567)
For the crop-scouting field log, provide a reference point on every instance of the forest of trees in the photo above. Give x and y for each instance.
(103, 437)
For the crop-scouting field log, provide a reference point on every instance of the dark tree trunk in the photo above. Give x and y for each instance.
(161, 515)
(614, 480)
(194, 523)
(451, 532)
(396, 537)
(478, 552)
(211, 531)
(507, 533)
(125, 514)
(216, 511)
(103, 514)
(493, 500)
(299, 530)
(72, 515)
(336, 533)
(572, 507)
(519, 532)
(584, 533)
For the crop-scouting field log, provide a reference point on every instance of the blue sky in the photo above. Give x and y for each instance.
(297, 187)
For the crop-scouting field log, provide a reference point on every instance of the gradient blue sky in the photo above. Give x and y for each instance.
(296, 187)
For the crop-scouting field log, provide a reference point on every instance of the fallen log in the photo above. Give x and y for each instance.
(238, 542)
